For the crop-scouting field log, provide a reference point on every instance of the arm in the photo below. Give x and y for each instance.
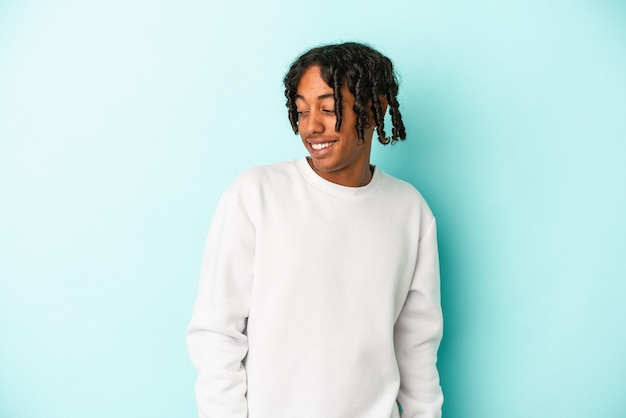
(417, 335)
(216, 335)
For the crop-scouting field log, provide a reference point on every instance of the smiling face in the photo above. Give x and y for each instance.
(338, 157)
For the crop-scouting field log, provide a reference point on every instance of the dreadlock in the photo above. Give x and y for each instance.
(367, 73)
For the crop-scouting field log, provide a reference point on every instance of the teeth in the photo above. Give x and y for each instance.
(321, 146)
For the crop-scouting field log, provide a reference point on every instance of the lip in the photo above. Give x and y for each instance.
(322, 151)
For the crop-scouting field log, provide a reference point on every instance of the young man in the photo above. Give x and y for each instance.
(319, 292)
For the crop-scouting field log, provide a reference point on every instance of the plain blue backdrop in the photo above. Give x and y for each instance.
(122, 122)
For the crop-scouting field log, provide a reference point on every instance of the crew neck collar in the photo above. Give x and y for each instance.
(321, 183)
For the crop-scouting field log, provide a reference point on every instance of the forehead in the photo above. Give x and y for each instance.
(313, 86)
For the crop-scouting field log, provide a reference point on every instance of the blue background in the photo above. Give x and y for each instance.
(121, 123)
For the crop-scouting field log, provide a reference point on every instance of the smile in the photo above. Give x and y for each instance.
(321, 146)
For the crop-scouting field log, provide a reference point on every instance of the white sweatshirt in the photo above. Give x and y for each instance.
(318, 300)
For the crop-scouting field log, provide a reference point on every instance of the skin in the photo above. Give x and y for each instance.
(344, 159)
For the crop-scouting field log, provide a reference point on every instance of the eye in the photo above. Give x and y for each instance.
(329, 111)
(302, 112)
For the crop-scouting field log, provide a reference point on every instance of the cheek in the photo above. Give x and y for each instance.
(348, 130)
(301, 127)
(348, 124)
(302, 131)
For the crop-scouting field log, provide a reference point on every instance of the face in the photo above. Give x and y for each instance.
(335, 156)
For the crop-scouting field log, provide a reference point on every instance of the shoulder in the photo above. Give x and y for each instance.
(401, 189)
(256, 179)
(401, 193)
(263, 173)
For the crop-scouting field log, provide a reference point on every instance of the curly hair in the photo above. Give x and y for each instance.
(367, 73)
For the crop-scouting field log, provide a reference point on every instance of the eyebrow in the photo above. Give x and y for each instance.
(323, 96)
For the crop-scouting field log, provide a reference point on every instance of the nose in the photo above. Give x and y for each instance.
(312, 123)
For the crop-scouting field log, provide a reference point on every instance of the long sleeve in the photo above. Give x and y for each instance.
(288, 325)
(417, 335)
(216, 336)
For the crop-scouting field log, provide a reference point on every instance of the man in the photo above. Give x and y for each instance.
(319, 292)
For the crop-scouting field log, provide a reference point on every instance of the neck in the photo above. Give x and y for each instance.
(344, 177)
